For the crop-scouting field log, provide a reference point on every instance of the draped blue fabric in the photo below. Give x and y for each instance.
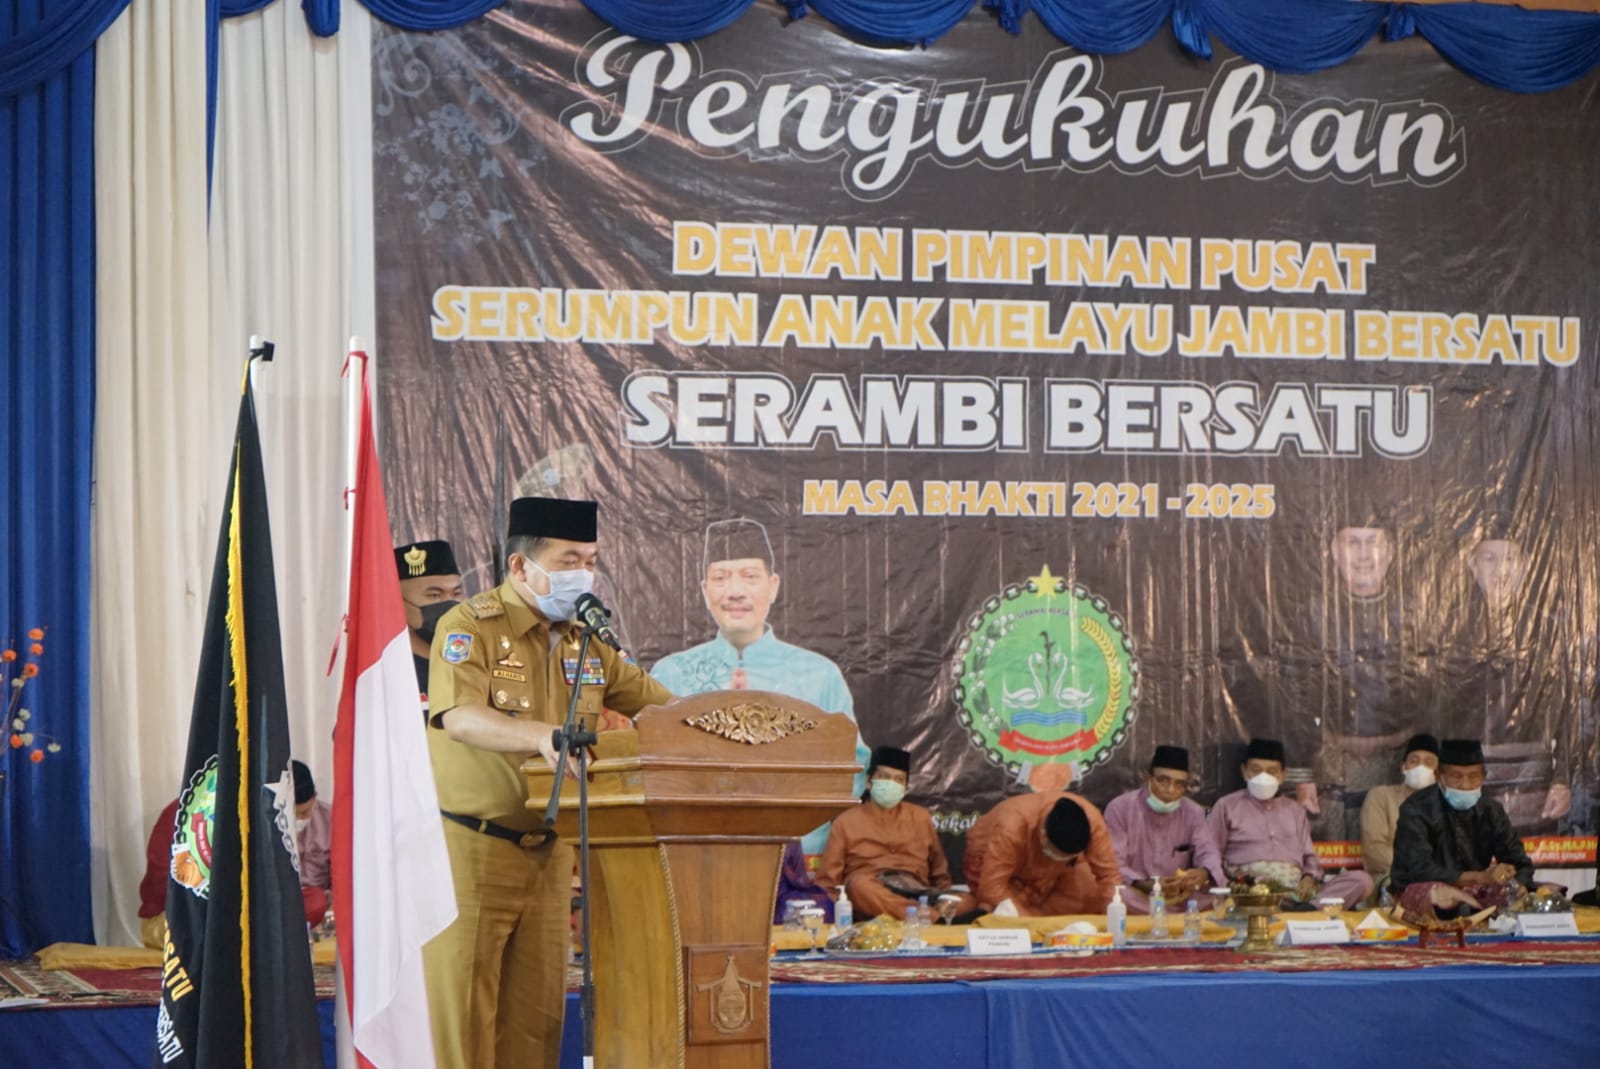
(653, 20)
(322, 16)
(1104, 27)
(35, 48)
(1523, 51)
(432, 14)
(922, 21)
(1307, 35)
(46, 423)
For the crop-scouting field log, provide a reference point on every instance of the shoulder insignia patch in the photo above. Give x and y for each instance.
(486, 606)
(457, 646)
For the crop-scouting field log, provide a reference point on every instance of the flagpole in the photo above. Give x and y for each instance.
(354, 373)
(355, 366)
(573, 742)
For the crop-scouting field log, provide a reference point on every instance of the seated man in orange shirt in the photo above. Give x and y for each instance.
(884, 852)
(1041, 855)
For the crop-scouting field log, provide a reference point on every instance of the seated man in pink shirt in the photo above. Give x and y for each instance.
(1160, 834)
(1265, 837)
(313, 836)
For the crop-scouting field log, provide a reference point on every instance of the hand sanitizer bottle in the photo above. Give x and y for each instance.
(1158, 912)
(843, 911)
(1117, 919)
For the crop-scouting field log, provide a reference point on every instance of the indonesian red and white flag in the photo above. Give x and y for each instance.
(391, 876)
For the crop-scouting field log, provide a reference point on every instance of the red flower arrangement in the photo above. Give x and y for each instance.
(13, 679)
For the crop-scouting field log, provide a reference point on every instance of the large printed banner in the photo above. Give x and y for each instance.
(1033, 407)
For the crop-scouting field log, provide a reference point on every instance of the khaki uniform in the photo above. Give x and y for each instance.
(1380, 814)
(497, 976)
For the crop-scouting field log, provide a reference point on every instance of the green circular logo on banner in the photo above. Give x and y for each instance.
(1046, 674)
(192, 842)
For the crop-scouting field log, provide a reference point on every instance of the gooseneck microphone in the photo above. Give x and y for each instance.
(593, 615)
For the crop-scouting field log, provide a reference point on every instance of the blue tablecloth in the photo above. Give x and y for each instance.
(1543, 1016)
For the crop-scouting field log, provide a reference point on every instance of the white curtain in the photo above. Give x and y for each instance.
(287, 256)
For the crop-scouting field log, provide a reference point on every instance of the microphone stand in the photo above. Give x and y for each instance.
(573, 742)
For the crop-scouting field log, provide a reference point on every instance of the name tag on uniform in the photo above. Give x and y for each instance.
(594, 673)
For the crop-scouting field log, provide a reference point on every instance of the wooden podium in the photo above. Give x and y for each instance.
(688, 815)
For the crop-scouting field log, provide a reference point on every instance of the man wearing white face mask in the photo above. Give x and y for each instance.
(504, 664)
(885, 852)
(1381, 811)
(1160, 834)
(1263, 836)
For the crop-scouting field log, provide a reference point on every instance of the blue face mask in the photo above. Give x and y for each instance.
(1462, 800)
(1159, 806)
(566, 587)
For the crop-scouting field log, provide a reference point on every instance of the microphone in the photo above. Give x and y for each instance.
(593, 615)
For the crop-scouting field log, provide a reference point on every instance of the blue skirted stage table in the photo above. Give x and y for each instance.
(1385, 1005)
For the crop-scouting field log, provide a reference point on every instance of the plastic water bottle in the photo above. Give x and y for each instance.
(912, 939)
(843, 912)
(1117, 919)
(1158, 912)
(1191, 922)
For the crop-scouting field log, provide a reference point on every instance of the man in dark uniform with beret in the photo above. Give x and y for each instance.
(430, 585)
(503, 665)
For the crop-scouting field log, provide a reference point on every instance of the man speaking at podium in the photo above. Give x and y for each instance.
(502, 668)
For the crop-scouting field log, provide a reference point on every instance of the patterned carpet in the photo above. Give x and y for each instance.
(101, 987)
(141, 987)
(937, 969)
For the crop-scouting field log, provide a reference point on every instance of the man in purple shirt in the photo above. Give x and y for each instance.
(313, 836)
(1160, 834)
(1263, 836)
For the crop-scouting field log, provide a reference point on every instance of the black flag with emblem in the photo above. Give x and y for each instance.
(236, 975)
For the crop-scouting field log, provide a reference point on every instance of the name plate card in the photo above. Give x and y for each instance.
(994, 942)
(1315, 933)
(1546, 925)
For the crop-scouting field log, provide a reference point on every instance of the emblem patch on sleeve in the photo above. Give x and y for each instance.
(457, 645)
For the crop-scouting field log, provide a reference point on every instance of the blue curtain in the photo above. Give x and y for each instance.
(46, 422)
(38, 39)
(1308, 35)
(1523, 51)
(655, 20)
(429, 14)
(1103, 27)
(921, 21)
